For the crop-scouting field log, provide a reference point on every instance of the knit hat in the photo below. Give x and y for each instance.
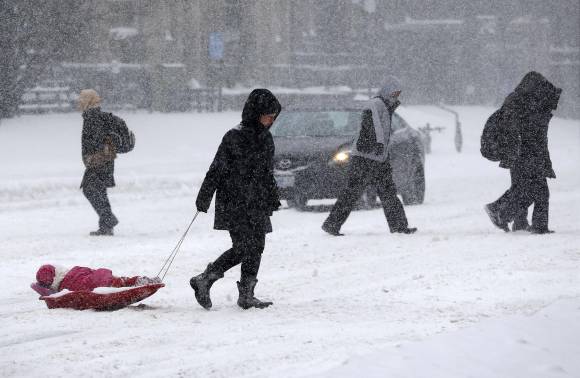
(45, 275)
(391, 84)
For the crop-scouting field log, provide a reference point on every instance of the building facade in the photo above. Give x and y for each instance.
(444, 51)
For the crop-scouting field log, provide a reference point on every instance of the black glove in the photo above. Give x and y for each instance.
(276, 205)
(201, 207)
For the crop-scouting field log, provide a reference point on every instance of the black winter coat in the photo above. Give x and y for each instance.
(97, 126)
(534, 158)
(242, 174)
(525, 115)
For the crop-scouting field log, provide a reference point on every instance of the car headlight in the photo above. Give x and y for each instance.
(341, 157)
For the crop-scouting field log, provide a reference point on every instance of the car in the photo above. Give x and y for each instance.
(313, 150)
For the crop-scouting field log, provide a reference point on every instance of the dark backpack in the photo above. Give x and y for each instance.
(491, 137)
(122, 137)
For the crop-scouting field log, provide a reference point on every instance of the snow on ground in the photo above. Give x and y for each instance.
(459, 298)
(541, 345)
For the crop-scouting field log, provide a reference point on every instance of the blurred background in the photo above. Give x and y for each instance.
(206, 55)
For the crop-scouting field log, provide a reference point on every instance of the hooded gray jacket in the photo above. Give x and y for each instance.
(381, 124)
(373, 138)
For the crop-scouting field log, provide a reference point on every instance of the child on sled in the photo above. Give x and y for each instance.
(52, 278)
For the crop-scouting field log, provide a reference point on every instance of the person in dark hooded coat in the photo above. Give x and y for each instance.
(526, 114)
(242, 176)
(370, 165)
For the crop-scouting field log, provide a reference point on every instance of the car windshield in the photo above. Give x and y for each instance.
(299, 123)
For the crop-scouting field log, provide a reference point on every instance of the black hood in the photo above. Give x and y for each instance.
(260, 101)
(536, 91)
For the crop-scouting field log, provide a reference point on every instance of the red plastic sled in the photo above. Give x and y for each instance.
(84, 300)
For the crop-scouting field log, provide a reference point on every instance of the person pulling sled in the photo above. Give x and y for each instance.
(242, 176)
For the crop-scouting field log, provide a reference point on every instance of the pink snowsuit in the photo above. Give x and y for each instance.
(83, 278)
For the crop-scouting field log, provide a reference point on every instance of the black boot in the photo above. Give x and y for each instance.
(247, 300)
(405, 230)
(540, 231)
(332, 230)
(106, 225)
(520, 226)
(495, 218)
(201, 284)
(102, 232)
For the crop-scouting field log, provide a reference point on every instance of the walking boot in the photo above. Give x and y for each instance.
(540, 231)
(201, 284)
(521, 226)
(246, 299)
(405, 230)
(102, 232)
(496, 219)
(106, 226)
(332, 230)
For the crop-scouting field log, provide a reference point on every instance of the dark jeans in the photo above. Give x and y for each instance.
(525, 191)
(362, 173)
(96, 193)
(247, 248)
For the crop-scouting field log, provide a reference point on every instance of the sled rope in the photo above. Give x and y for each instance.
(169, 260)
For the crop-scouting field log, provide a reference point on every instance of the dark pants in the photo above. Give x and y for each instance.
(361, 174)
(507, 199)
(247, 248)
(96, 192)
(525, 191)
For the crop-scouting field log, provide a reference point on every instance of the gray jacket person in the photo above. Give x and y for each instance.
(370, 165)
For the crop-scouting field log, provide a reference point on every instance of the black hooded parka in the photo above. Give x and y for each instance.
(526, 115)
(242, 174)
(527, 112)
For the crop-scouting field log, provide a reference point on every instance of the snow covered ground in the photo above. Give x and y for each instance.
(459, 298)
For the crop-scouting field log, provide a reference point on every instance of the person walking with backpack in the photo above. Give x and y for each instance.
(370, 165)
(103, 135)
(242, 176)
(522, 147)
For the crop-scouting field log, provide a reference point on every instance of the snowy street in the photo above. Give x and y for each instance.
(452, 300)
